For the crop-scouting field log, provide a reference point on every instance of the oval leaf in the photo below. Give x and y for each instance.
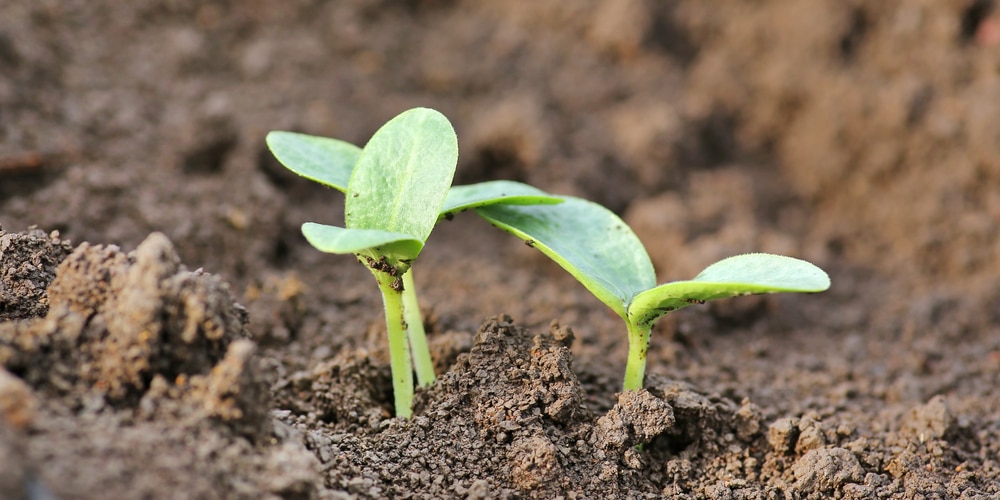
(493, 192)
(587, 240)
(373, 243)
(746, 274)
(400, 182)
(319, 159)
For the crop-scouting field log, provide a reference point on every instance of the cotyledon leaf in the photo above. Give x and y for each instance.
(589, 241)
(319, 159)
(373, 243)
(748, 274)
(330, 162)
(402, 177)
(494, 192)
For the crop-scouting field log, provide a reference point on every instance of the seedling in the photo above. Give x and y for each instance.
(601, 251)
(397, 189)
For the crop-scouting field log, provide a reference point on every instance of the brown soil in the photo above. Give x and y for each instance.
(862, 136)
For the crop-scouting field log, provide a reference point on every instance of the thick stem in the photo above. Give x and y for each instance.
(638, 346)
(415, 330)
(399, 348)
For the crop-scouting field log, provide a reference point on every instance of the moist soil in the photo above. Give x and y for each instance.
(166, 332)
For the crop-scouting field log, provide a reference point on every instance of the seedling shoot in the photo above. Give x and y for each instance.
(397, 189)
(602, 253)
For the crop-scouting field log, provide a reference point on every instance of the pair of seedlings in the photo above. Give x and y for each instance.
(399, 186)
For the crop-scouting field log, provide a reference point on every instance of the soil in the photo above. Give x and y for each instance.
(166, 332)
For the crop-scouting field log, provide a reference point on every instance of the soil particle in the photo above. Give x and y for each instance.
(534, 462)
(811, 435)
(826, 469)
(636, 419)
(27, 265)
(782, 435)
(932, 420)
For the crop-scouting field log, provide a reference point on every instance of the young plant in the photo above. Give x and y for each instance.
(409, 162)
(601, 251)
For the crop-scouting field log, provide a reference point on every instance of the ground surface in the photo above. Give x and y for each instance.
(862, 136)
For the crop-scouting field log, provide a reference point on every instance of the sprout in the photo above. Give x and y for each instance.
(601, 251)
(398, 188)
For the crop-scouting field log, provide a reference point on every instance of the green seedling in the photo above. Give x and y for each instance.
(406, 165)
(393, 198)
(601, 251)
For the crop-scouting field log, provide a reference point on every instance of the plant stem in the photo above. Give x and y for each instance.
(399, 348)
(638, 346)
(415, 330)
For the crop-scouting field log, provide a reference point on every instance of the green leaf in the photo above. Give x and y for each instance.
(747, 274)
(331, 162)
(320, 159)
(587, 240)
(402, 177)
(493, 192)
(371, 242)
(783, 274)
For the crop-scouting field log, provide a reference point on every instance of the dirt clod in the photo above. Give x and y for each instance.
(534, 462)
(28, 264)
(932, 420)
(783, 435)
(826, 469)
(636, 419)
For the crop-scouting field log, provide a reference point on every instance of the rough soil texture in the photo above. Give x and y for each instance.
(862, 136)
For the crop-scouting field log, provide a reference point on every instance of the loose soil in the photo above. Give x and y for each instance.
(166, 332)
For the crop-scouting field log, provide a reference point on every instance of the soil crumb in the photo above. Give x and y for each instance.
(28, 263)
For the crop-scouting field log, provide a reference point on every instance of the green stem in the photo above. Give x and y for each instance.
(638, 346)
(399, 348)
(415, 330)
